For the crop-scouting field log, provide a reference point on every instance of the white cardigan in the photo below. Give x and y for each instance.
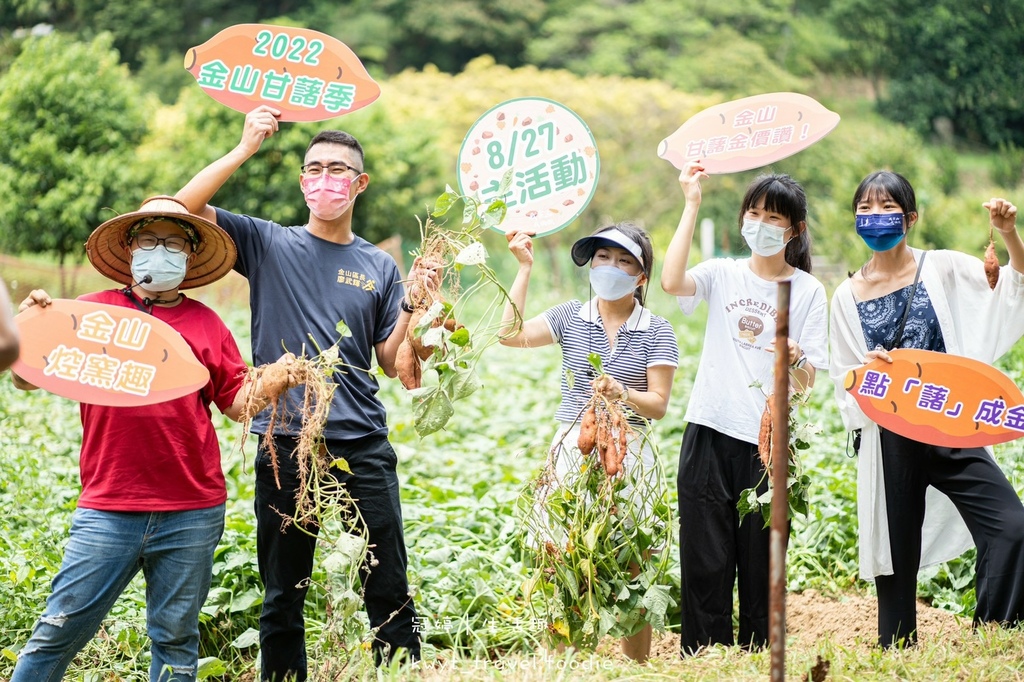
(976, 322)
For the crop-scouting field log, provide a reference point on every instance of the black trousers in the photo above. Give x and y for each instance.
(988, 504)
(714, 547)
(286, 556)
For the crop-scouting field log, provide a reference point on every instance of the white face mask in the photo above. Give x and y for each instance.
(166, 270)
(611, 283)
(762, 238)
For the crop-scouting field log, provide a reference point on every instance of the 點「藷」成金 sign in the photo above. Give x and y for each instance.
(105, 354)
(940, 399)
(307, 75)
(551, 157)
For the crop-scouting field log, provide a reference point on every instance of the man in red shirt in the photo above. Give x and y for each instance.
(153, 491)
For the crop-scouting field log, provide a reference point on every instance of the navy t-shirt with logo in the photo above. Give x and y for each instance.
(301, 287)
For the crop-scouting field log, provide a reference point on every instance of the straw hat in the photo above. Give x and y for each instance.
(214, 255)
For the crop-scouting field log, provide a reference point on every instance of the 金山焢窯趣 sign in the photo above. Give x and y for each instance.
(541, 153)
(940, 399)
(307, 75)
(105, 354)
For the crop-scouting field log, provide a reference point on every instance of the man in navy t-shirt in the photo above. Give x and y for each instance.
(304, 280)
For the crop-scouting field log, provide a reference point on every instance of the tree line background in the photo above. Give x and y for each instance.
(97, 111)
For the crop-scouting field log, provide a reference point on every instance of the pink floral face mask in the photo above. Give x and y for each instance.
(327, 197)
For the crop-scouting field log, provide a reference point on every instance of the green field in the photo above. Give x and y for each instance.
(459, 489)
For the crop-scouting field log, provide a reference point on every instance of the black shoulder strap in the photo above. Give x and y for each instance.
(910, 302)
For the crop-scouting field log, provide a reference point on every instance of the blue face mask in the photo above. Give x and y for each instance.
(881, 231)
(611, 283)
(165, 269)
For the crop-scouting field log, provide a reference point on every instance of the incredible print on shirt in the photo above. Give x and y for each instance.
(752, 322)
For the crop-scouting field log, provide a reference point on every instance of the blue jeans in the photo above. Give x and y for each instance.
(174, 550)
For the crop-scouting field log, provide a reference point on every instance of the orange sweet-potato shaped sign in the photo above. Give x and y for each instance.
(941, 399)
(105, 354)
(307, 75)
(749, 133)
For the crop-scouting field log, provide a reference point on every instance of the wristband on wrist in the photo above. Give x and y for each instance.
(800, 362)
(406, 306)
(624, 396)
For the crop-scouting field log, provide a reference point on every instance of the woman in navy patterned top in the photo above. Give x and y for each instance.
(637, 349)
(914, 498)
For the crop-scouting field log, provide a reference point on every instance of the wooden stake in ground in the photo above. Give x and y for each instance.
(780, 491)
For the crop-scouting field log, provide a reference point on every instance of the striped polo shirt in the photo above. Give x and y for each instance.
(644, 340)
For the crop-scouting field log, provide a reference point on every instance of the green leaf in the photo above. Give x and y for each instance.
(247, 639)
(431, 409)
(464, 383)
(590, 537)
(347, 551)
(342, 464)
(657, 600)
(570, 378)
(494, 214)
(469, 214)
(608, 622)
(211, 667)
(460, 337)
(246, 600)
(747, 502)
(595, 360)
(343, 330)
(445, 202)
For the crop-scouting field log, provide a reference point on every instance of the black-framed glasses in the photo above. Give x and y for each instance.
(148, 241)
(335, 169)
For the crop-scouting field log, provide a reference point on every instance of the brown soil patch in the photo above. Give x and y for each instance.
(849, 620)
(852, 620)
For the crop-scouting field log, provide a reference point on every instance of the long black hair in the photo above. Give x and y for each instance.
(784, 195)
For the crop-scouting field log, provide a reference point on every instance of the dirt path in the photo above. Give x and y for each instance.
(848, 621)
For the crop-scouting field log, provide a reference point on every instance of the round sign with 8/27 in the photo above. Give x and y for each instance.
(549, 152)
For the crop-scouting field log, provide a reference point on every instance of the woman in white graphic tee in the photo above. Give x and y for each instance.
(718, 458)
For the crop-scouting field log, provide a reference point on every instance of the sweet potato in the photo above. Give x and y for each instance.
(603, 439)
(991, 265)
(764, 438)
(422, 352)
(408, 366)
(274, 380)
(610, 458)
(588, 431)
(623, 443)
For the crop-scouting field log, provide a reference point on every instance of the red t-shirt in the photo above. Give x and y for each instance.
(163, 457)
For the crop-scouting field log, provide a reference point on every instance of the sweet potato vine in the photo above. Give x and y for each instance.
(588, 523)
(437, 360)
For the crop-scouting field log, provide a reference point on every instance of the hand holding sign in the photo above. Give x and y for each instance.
(260, 123)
